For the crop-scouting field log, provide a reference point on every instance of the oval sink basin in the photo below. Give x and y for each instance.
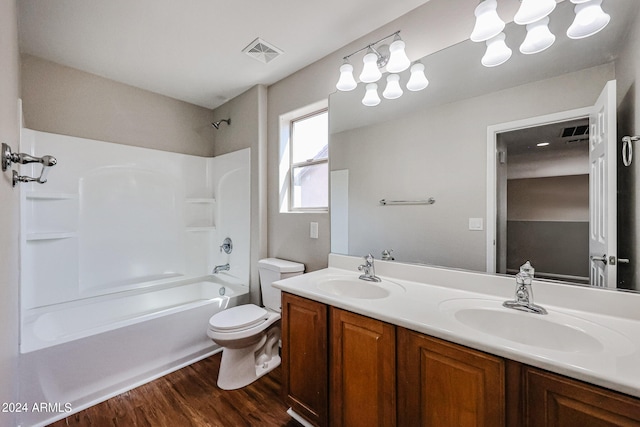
(534, 331)
(555, 331)
(352, 287)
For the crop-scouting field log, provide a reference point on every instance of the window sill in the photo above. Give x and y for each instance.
(307, 211)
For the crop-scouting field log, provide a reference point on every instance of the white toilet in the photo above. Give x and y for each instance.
(249, 334)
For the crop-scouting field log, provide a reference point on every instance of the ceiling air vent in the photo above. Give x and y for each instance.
(262, 51)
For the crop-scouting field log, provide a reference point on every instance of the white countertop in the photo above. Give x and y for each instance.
(421, 299)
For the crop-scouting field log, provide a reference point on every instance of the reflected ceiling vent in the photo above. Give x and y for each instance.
(576, 132)
(262, 51)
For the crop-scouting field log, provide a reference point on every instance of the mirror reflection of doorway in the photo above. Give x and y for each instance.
(543, 200)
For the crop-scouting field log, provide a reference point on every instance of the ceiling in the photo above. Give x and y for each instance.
(562, 137)
(192, 50)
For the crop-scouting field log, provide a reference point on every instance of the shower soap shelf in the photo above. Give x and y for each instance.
(200, 229)
(55, 235)
(34, 195)
(202, 200)
(59, 205)
(200, 215)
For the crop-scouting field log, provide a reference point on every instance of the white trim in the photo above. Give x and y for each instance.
(492, 133)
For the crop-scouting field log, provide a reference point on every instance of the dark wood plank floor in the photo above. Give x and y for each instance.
(190, 397)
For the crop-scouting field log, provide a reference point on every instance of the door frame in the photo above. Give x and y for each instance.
(492, 156)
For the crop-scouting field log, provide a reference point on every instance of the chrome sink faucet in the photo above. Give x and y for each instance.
(524, 292)
(368, 270)
(218, 268)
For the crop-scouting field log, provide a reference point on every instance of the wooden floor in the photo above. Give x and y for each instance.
(190, 397)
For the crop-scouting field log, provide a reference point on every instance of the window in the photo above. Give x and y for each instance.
(305, 156)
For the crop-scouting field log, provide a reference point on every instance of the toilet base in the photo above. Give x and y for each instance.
(240, 367)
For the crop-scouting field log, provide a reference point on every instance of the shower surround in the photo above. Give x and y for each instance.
(117, 249)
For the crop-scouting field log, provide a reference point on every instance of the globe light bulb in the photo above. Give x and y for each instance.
(538, 37)
(393, 89)
(590, 19)
(497, 51)
(346, 82)
(370, 72)
(371, 98)
(398, 60)
(418, 80)
(533, 10)
(488, 23)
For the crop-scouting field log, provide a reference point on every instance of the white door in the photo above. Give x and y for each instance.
(602, 189)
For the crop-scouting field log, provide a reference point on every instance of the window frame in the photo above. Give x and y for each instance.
(308, 162)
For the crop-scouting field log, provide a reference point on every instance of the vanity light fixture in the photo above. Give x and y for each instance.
(379, 56)
(538, 37)
(488, 23)
(497, 51)
(590, 19)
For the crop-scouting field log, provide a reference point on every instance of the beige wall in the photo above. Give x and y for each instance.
(247, 130)
(553, 198)
(67, 101)
(9, 213)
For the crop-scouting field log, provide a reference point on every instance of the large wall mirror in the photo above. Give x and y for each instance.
(497, 202)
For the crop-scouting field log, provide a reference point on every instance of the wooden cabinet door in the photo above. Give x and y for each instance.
(555, 401)
(442, 384)
(305, 357)
(362, 371)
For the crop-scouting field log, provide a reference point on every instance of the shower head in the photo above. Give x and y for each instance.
(217, 124)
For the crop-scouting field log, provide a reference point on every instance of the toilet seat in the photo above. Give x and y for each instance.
(238, 318)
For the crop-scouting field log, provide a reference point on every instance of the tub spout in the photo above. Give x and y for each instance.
(218, 268)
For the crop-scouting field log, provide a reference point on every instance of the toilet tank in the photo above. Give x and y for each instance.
(271, 270)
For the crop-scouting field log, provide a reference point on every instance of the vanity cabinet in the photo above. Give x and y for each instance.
(445, 384)
(344, 369)
(553, 400)
(305, 357)
(362, 369)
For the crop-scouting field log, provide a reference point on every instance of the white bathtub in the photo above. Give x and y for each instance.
(60, 323)
(80, 353)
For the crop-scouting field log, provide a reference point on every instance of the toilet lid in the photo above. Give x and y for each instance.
(240, 317)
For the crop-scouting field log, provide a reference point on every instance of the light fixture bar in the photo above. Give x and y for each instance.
(378, 56)
(372, 45)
